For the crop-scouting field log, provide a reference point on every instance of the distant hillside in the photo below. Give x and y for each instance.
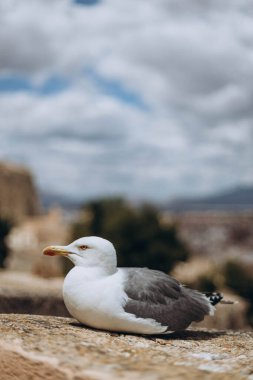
(49, 199)
(238, 199)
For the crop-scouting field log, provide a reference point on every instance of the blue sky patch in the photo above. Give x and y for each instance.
(16, 83)
(13, 83)
(86, 2)
(115, 88)
(53, 85)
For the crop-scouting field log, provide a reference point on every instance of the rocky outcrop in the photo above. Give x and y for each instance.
(36, 347)
(18, 196)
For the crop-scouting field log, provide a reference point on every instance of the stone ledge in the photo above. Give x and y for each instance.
(39, 347)
(24, 293)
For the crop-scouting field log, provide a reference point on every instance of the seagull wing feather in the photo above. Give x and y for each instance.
(154, 294)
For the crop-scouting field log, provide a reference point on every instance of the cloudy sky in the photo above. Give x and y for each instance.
(150, 98)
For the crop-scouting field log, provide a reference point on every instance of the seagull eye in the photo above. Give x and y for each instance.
(83, 247)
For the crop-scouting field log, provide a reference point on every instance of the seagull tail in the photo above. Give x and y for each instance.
(214, 298)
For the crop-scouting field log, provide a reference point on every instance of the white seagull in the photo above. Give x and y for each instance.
(134, 300)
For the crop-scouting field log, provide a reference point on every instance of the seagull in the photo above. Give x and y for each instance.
(128, 300)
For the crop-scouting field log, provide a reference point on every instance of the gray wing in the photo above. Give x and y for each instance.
(154, 294)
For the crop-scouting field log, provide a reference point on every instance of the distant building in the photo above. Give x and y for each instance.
(215, 234)
(27, 240)
(18, 195)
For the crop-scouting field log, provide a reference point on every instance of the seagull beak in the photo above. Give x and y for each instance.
(54, 250)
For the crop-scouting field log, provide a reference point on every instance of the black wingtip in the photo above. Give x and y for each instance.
(214, 298)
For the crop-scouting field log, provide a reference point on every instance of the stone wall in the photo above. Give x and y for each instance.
(25, 293)
(18, 195)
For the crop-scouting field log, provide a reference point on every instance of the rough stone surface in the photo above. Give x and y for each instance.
(39, 347)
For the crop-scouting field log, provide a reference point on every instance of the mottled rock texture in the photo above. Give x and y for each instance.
(18, 196)
(39, 347)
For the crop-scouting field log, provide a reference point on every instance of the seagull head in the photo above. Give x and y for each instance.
(90, 251)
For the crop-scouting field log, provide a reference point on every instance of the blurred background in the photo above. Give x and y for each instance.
(132, 121)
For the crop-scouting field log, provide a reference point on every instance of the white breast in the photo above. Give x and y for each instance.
(97, 300)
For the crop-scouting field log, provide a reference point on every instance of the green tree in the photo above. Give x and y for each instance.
(5, 227)
(137, 233)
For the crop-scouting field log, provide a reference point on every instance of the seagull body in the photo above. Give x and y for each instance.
(135, 300)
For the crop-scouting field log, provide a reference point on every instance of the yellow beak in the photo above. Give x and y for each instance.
(55, 250)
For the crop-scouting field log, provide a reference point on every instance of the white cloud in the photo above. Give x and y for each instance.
(189, 62)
